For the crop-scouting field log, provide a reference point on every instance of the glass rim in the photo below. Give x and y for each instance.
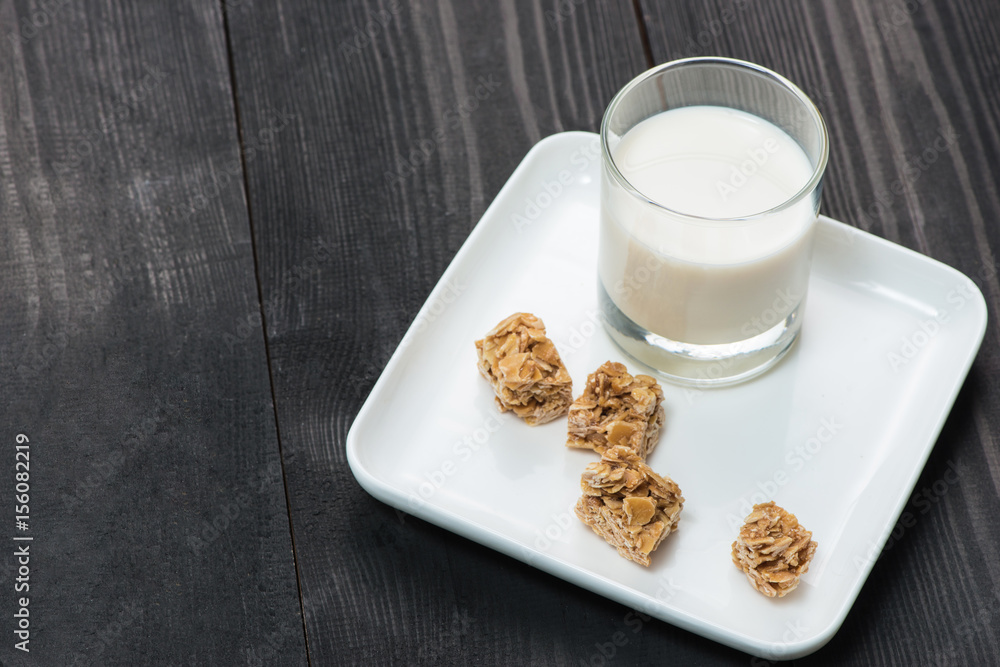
(810, 106)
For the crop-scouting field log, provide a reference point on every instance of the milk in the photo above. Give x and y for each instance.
(682, 270)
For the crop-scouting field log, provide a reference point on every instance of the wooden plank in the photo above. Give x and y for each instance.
(408, 119)
(131, 352)
(896, 81)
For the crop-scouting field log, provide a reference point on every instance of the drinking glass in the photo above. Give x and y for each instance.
(710, 190)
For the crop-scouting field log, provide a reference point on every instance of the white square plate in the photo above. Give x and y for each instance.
(837, 433)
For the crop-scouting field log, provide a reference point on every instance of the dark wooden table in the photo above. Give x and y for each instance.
(219, 218)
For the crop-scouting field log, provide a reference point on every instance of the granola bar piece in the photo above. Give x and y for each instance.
(773, 550)
(628, 504)
(525, 370)
(617, 409)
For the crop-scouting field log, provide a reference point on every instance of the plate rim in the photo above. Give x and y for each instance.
(397, 498)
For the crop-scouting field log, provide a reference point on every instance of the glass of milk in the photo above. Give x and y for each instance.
(712, 173)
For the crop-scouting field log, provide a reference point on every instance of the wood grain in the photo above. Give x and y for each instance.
(215, 213)
(360, 212)
(389, 163)
(132, 353)
(909, 93)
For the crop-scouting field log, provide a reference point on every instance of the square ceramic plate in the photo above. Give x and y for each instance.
(837, 433)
